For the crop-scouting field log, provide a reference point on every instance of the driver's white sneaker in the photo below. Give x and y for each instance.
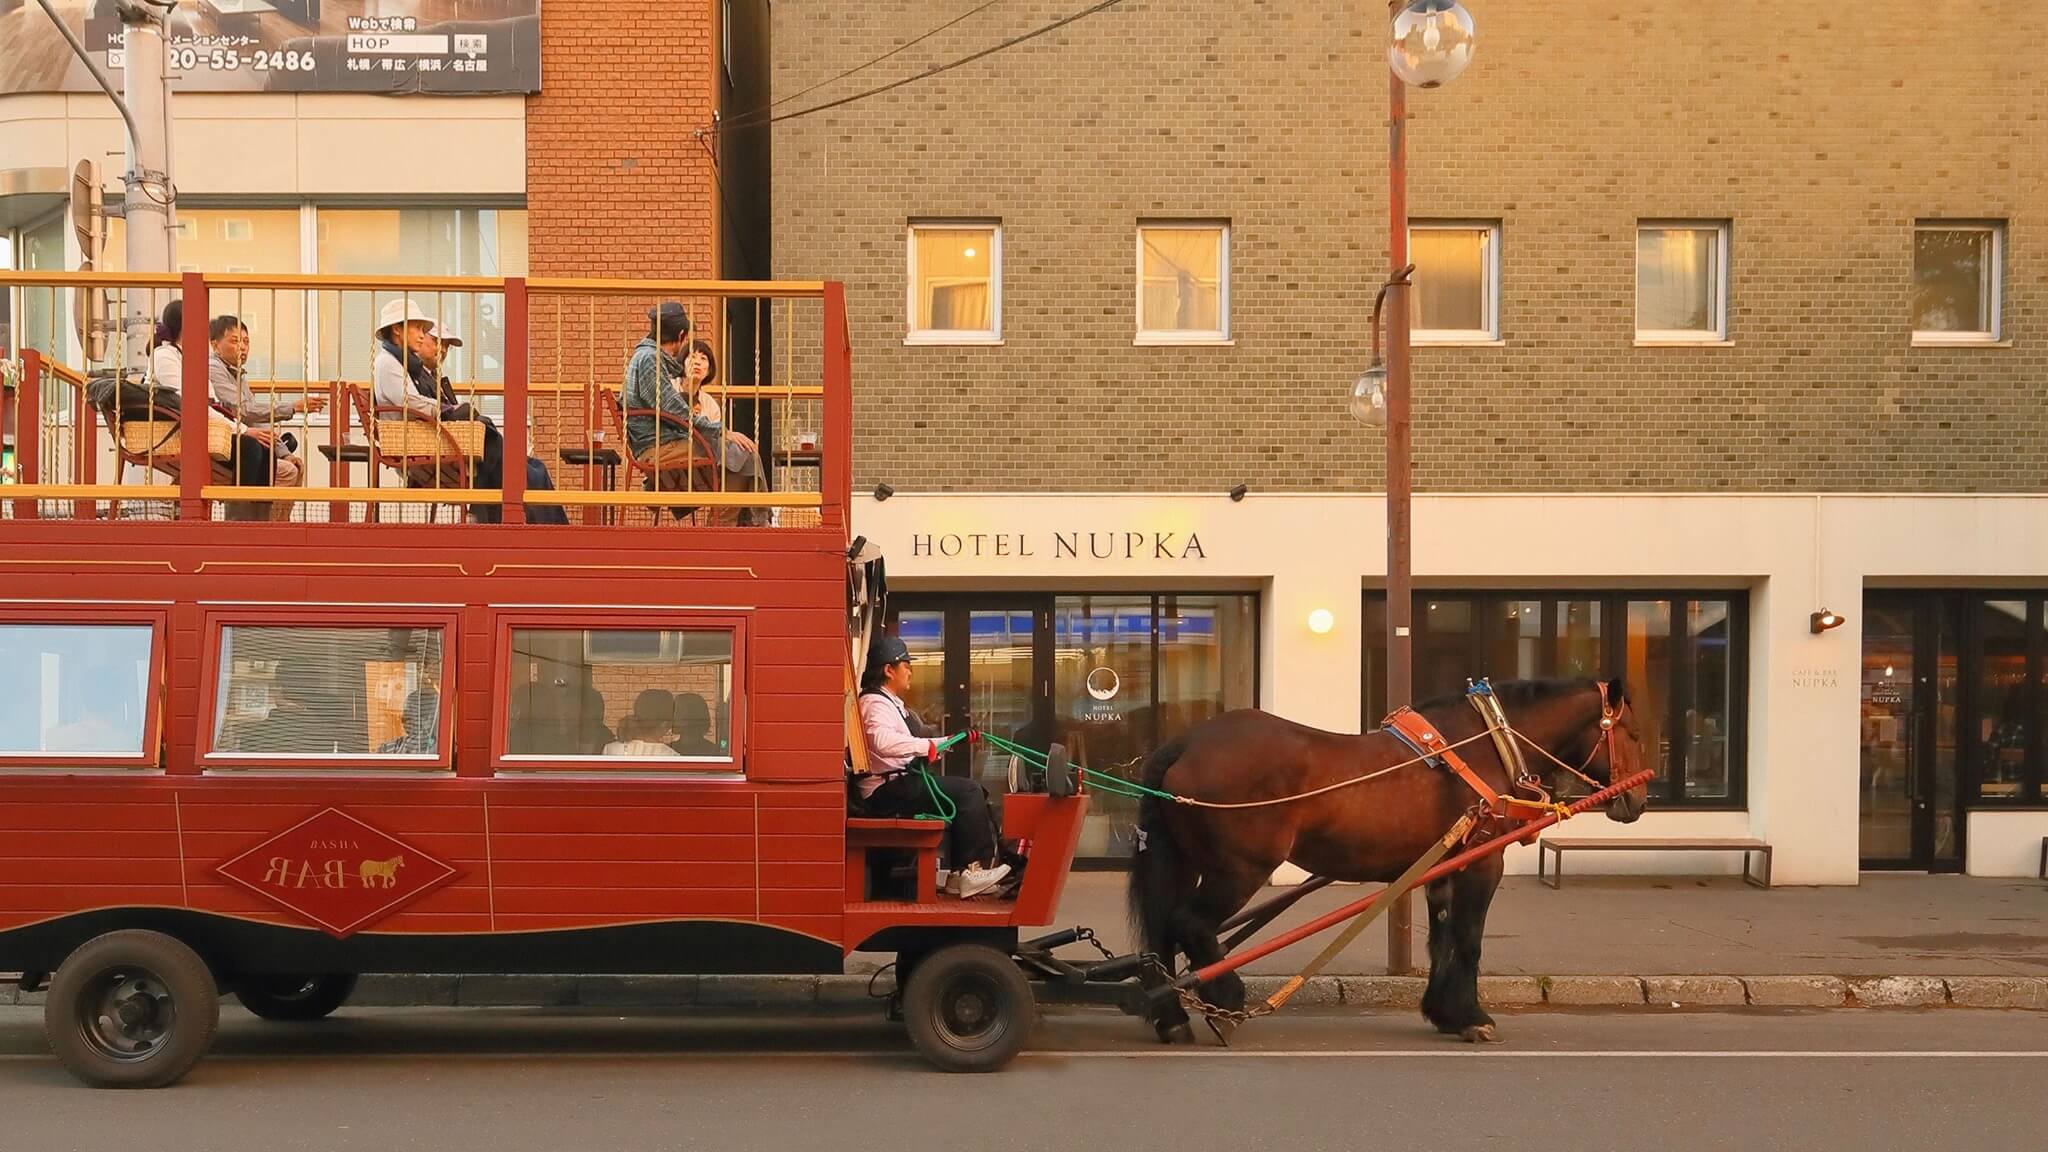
(975, 880)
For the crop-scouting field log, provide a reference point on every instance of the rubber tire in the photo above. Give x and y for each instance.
(184, 975)
(1014, 1008)
(317, 998)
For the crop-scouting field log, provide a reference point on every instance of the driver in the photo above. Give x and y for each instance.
(893, 786)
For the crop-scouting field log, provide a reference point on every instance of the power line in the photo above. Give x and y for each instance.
(742, 122)
(975, 11)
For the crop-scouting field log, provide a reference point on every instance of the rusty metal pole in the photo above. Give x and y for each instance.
(1400, 597)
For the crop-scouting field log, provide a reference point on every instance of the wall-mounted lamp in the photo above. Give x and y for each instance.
(1237, 492)
(883, 492)
(1824, 620)
(1321, 621)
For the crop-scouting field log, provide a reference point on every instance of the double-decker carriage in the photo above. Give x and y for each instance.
(260, 737)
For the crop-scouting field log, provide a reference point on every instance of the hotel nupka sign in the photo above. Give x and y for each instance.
(1077, 544)
(394, 47)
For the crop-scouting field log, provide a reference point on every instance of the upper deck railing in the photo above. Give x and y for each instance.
(496, 371)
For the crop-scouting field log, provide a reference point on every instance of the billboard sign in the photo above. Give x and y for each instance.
(435, 47)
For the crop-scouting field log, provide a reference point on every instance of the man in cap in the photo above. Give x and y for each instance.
(896, 783)
(656, 382)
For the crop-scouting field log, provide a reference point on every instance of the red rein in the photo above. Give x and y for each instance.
(1455, 863)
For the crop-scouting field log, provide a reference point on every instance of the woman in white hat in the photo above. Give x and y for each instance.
(407, 376)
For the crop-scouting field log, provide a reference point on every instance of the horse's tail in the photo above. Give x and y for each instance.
(1155, 885)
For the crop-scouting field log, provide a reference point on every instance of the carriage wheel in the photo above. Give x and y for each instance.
(969, 1008)
(131, 1009)
(294, 999)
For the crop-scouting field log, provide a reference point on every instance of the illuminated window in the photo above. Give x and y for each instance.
(1183, 283)
(956, 283)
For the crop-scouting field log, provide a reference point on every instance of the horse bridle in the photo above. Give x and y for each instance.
(1610, 719)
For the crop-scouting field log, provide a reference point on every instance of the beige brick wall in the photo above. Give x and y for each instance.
(1821, 133)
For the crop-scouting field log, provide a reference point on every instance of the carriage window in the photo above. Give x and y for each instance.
(328, 691)
(74, 690)
(622, 694)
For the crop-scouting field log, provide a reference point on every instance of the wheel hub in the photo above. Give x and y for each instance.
(130, 1017)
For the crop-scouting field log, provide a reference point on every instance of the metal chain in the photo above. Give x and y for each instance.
(1192, 1002)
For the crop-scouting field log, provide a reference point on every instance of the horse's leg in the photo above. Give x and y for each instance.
(1471, 894)
(1440, 958)
(1221, 894)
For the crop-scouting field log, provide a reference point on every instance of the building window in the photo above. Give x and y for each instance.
(600, 696)
(1681, 657)
(425, 241)
(1958, 282)
(1183, 282)
(350, 692)
(1682, 282)
(1456, 298)
(956, 283)
(75, 691)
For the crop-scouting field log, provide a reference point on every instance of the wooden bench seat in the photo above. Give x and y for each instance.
(1748, 848)
(919, 836)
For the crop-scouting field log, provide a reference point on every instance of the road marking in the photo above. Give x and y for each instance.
(1116, 1054)
(1526, 1054)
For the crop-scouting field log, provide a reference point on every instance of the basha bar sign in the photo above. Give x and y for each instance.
(1074, 545)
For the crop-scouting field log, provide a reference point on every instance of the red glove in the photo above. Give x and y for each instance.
(973, 736)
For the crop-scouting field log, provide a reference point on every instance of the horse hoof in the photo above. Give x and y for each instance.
(1222, 1029)
(1480, 1034)
(1180, 1033)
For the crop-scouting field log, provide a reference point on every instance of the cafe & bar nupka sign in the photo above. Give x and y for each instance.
(397, 47)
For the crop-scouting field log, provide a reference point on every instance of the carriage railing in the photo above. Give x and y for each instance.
(552, 350)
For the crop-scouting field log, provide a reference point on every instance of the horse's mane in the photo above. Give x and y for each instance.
(1514, 693)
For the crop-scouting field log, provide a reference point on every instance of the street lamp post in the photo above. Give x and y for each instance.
(1432, 42)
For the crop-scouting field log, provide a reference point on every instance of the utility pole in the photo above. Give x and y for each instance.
(1400, 594)
(146, 202)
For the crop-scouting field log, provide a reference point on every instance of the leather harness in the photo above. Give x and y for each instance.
(1494, 808)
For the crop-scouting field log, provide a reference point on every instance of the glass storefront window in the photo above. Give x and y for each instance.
(2000, 698)
(426, 241)
(230, 240)
(1679, 657)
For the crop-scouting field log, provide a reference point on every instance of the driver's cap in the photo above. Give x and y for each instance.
(888, 650)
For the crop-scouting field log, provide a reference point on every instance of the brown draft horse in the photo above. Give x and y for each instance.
(1198, 866)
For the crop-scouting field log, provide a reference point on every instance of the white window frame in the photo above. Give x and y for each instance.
(993, 334)
(1718, 334)
(1489, 290)
(1217, 336)
(1993, 287)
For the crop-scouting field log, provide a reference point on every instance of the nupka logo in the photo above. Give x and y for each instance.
(337, 871)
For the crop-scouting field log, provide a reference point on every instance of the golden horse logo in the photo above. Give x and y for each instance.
(373, 871)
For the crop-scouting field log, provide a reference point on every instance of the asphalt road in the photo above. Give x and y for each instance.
(453, 1080)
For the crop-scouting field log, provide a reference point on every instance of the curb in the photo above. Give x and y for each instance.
(2026, 993)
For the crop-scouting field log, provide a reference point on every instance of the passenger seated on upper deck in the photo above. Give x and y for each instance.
(893, 786)
(407, 374)
(661, 377)
(254, 457)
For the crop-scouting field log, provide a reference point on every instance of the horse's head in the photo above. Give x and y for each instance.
(1610, 749)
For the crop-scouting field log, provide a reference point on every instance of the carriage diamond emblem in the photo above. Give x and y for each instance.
(337, 872)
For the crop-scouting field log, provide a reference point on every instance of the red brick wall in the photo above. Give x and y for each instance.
(616, 182)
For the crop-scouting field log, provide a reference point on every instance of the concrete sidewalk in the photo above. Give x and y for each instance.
(1640, 925)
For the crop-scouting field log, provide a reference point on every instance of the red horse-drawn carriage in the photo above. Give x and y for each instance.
(385, 733)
